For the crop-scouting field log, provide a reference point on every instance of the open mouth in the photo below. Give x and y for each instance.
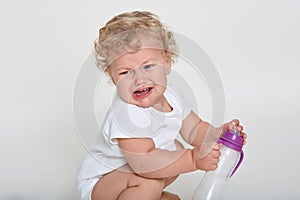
(142, 93)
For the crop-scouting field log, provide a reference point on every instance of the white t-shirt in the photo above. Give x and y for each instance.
(125, 120)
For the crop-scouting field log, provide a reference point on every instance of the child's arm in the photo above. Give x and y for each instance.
(148, 161)
(200, 133)
(195, 131)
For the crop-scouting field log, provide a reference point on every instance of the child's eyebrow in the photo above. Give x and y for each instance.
(127, 67)
(121, 68)
(149, 60)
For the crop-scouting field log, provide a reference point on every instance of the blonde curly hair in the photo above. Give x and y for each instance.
(122, 34)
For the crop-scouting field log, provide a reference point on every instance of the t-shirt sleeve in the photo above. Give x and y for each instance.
(129, 121)
(185, 106)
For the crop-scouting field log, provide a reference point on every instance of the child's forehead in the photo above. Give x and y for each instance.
(145, 46)
(140, 57)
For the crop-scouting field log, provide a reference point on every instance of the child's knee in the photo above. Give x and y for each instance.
(157, 184)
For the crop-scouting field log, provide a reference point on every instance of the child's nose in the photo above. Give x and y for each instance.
(139, 77)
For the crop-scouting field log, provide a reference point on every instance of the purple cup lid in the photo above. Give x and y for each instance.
(232, 141)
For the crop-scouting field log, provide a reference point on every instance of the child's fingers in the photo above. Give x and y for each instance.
(217, 146)
(244, 135)
(235, 122)
(240, 128)
(215, 154)
(227, 127)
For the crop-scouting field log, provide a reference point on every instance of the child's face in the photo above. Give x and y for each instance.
(141, 77)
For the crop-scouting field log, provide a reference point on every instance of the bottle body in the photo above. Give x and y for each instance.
(213, 182)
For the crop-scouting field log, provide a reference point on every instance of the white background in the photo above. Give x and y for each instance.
(254, 44)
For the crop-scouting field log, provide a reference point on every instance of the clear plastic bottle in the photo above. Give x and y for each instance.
(213, 183)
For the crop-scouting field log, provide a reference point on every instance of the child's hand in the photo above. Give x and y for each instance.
(235, 122)
(210, 161)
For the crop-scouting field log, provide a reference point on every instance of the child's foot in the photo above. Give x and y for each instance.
(169, 196)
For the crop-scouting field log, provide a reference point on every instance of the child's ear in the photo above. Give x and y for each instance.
(168, 67)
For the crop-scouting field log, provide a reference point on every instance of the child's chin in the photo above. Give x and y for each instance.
(143, 104)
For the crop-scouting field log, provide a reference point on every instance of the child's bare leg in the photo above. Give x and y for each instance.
(121, 185)
(150, 185)
(142, 188)
(170, 180)
(169, 196)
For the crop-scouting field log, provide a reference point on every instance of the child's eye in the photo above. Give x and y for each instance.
(148, 66)
(125, 72)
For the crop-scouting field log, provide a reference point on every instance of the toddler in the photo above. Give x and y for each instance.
(137, 154)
